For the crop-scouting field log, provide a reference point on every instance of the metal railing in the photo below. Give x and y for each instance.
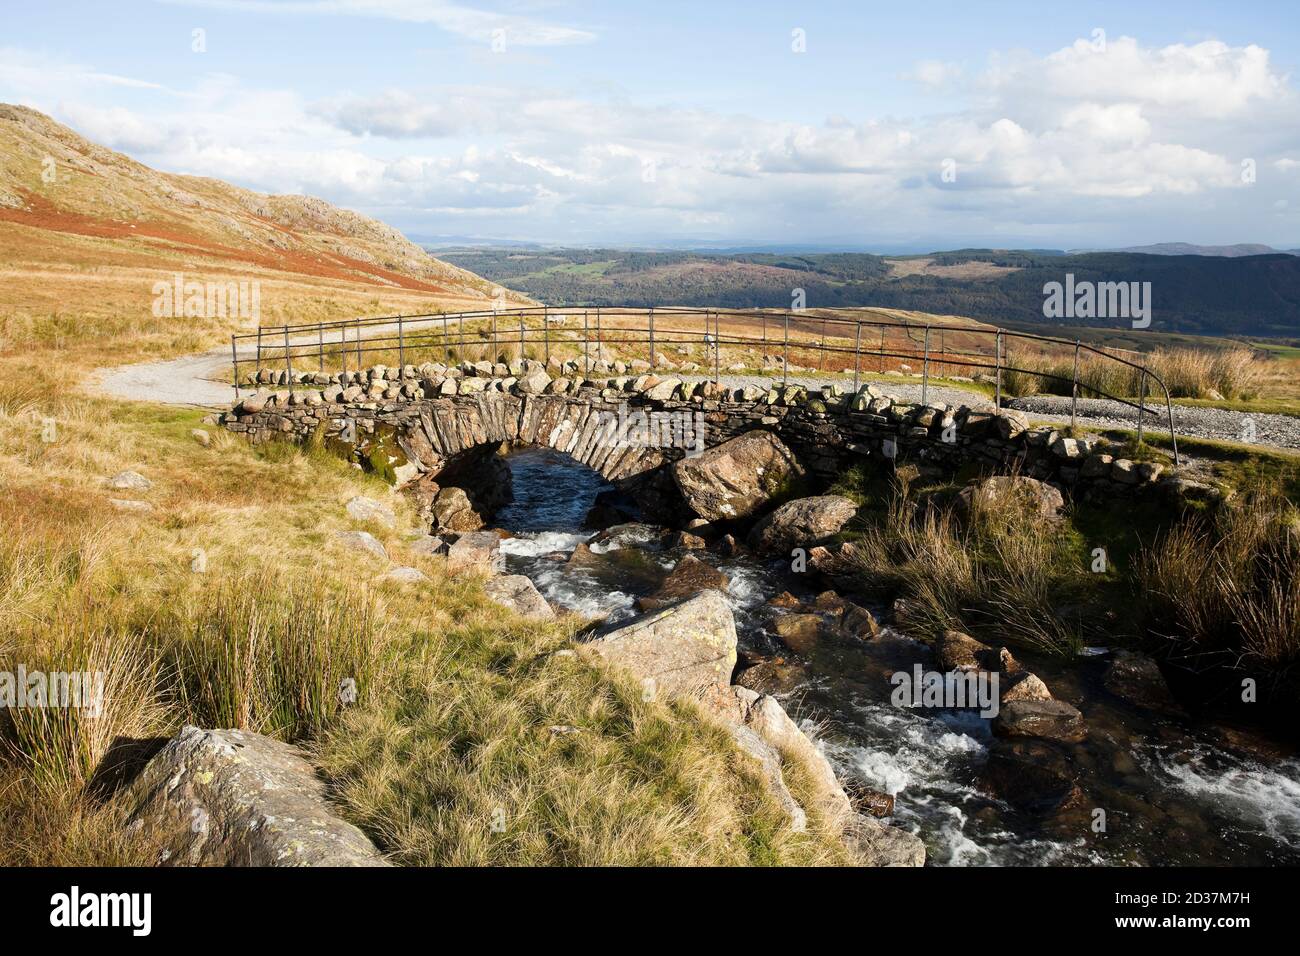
(869, 345)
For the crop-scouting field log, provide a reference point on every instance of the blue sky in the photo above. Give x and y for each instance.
(898, 126)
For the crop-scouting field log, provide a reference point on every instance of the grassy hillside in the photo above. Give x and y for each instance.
(86, 234)
(1253, 295)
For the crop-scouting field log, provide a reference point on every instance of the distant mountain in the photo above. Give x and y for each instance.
(1189, 249)
(1204, 295)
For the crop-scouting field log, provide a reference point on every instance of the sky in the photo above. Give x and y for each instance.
(859, 125)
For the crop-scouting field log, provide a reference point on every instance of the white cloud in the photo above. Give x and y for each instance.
(1062, 138)
(469, 22)
(934, 73)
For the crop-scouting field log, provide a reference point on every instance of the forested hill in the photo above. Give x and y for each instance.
(1249, 295)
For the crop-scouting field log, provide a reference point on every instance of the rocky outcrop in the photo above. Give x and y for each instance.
(736, 478)
(802, 523)
(231, 798)
(518, 593)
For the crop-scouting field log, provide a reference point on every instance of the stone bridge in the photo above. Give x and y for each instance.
(436, 427)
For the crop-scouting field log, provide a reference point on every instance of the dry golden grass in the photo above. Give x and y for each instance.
(1187, 373)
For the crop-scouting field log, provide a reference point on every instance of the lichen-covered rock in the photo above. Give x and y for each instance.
(687, 648)
(735, 479)
(231, 798)
(1027, 687)
(518, 593)
(452, 510)
(361, 508)
(128, 481)
(362, 541)
(1037, 497)
(802, 523)
(872, 843)
(403, 575)
(477, 551)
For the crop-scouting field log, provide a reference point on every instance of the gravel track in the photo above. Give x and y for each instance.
(1276, 431)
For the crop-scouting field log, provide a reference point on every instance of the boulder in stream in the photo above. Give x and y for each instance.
(686, 648)
(1050, 719)
(802, 523)
(691, 576)
(735, 479)
(1136, 678)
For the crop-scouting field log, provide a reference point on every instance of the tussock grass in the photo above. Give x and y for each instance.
(999, 571)
(1228, 587)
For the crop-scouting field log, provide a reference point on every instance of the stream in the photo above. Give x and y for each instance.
(1173, 792)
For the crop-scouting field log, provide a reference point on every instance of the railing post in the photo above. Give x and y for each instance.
(652, 336)
(343, 349)
(997, 349)
(401, 347)
(546, 333)
(360, 361)
(785, 354)
(493, 356)
(857, 354)
(234, 361)
(925, 370)
(288, 366)
(1169, 408)
(320, 343)
(259, 349)
(1142, 401)
(521, 336)
(717, 347)
(1074, 388)
(600, 345)
(586, 345)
